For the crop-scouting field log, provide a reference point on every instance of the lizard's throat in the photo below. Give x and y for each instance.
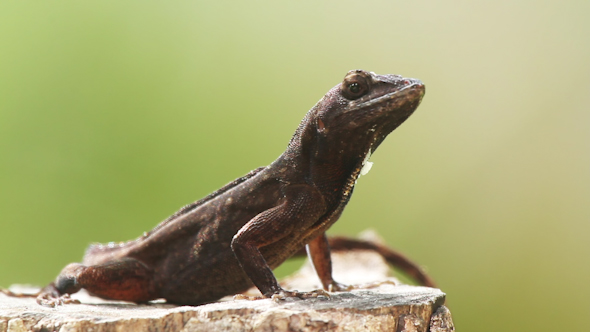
(361, 168)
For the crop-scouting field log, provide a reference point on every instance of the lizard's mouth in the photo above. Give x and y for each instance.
(407, 93)
(405, 100)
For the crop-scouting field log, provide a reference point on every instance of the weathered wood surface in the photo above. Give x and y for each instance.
(384, 308)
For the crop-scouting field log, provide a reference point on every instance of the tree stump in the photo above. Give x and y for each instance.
(387, 306)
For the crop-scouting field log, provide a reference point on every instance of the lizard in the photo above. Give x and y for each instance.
(233, 238)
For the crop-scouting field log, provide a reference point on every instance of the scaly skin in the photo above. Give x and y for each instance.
(233, 238)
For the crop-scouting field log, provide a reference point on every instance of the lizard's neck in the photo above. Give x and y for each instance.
(331, 163)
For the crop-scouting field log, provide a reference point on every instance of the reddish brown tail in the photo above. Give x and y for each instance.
(393, 257)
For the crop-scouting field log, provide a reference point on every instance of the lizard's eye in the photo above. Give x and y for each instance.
(354, 88)
(355, 85)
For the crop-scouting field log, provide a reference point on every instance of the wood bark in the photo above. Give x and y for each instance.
(373, 307)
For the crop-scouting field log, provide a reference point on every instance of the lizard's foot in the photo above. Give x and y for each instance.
(338, 287)
(50, 300)
(282, 295)
(50, 296)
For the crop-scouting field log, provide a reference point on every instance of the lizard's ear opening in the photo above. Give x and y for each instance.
(320, 125)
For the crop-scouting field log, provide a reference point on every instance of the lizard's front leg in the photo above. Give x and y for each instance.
(300, 208)
(318, 251)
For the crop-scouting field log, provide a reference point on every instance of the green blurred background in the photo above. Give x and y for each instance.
(114, 114)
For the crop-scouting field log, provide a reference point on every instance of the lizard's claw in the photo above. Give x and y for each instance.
(338, 287)
(49, 300)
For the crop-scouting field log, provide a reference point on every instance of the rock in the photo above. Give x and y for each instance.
(384, 307)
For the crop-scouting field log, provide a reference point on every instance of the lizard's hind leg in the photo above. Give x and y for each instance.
(124, 279)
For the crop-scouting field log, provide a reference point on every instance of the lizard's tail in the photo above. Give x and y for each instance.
(393, 257)
(13, 294)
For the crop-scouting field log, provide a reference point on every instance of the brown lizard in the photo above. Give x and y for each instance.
(233, 238)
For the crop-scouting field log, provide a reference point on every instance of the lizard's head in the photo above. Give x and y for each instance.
(368, 106)
(341, 131)
(355, 116)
